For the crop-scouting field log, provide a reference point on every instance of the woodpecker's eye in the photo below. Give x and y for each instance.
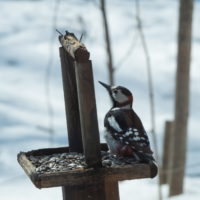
(115, 91)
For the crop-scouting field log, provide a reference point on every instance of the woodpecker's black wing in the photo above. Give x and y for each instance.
(126, 127)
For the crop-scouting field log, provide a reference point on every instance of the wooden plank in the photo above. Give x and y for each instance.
(112, 189)
(91, 191)
(50, 151)
(76, 49)
(25, 163)
(88, 176)
(71, 102)
(29, 169)
(89, 126)
(77, 177)
(182, 97)
(99, 189)
(88, 113)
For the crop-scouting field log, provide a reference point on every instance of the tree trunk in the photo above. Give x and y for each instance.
(182, 97)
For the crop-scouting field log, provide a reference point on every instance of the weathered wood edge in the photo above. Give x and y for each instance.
(88, 113)
(76, 177)
(71, 101)
(76, 49)
(119, 173)
(29, 169)
(49, 151)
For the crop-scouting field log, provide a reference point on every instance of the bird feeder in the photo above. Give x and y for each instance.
(97, 173)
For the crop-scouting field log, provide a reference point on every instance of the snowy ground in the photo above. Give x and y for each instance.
(25, 34)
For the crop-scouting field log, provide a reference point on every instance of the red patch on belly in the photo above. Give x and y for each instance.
(125, 150)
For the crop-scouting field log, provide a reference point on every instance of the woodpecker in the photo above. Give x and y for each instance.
(124, 131)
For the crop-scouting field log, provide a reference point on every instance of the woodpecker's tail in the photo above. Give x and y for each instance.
(145, 158)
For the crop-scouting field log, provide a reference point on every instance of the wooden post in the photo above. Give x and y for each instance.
(73, 47)
(167, 152)
(93, 182)
(72, 111)
(101, 189)
(88, 113)
(71, 102)
(111, 189)
(182, 97)
(94, 191)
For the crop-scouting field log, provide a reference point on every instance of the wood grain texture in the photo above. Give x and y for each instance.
(29, 168)
(87, 176)
(50, 151)
(100, 189)
(111, 189)
(76, 49)
(88, 113)
(90, 191)
(182, 97)
(71, 102)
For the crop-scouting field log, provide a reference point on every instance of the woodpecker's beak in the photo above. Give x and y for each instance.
(108, 87)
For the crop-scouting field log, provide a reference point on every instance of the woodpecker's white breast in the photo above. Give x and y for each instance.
(113, 145)
(113, 123)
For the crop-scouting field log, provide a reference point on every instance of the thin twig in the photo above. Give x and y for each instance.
(48, 75)
(150, 85)
(108, 43)
(128, 52)
(59, 32)
(81, 37)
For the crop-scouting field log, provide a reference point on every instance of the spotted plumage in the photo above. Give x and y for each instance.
(124, 132)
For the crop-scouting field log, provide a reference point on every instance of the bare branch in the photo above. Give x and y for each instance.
(48, 74)
(182, 96)
(127, 53)
(108, 43)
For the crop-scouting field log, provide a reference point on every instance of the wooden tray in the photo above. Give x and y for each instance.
(77, 177)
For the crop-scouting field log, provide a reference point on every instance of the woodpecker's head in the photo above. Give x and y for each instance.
(121, 97)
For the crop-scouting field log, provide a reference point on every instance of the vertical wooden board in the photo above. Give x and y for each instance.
(88, 113)
(95, 191)
(111, 190)
(100, 189)
(182, 97)
(74, 47)
(71, 102)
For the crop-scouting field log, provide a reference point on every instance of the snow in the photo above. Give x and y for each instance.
(25, 35)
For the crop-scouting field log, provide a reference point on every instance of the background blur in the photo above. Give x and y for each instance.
(30, 81)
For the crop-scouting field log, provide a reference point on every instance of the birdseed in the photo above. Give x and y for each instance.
(74, 161)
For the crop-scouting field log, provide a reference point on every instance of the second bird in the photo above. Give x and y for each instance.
(124, 132)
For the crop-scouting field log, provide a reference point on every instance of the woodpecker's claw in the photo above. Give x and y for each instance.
(108, 87)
